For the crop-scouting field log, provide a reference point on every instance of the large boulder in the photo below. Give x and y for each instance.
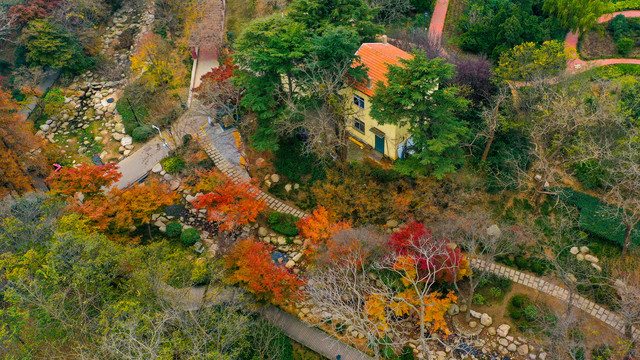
(503, 330)
(157, 168)
(523, 349)
(126, 140)
(392, 223)
(262, 231)
(486, 320)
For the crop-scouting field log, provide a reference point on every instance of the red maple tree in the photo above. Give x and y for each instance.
(33, 9)
(229, 203)
(87, 179)
(414, 239)
(250, 265)
(216, 91)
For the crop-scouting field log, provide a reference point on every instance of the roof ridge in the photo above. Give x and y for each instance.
(390, 57)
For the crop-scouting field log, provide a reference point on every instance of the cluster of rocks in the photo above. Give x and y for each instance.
(275, 178)
(91, 99)
(162, 220)
(112, 37)
(292, 247)
(174, 182)
(496, 339)
(510, 345)
(582, 255)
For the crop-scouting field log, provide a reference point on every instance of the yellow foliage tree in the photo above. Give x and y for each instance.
(159, 63)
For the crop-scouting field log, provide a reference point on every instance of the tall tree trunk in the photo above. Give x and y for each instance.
(485, 153)
(627, 240)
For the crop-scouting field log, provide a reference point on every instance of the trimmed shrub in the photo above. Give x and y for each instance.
(190, 236)
(625, 45)
(519, 301)
(173, 164)
(284, 224)
(142, 133)
(531, 312)
(174, 230)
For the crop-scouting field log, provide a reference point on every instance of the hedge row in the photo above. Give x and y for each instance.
(594, 217)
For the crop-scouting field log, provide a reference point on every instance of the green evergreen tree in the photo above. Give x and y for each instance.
(48, 44)
(415, 97)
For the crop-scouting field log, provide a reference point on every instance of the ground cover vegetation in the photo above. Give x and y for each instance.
(616, 38)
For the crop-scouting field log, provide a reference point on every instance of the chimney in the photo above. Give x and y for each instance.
(384, 39)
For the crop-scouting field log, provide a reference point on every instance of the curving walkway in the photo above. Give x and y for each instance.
(313, 338)
(571, 43)
(238, 176)
(606, 316)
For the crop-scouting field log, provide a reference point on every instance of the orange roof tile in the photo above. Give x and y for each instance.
(376, 57)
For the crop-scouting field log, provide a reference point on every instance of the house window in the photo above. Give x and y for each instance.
(359, 125)
(359, 101)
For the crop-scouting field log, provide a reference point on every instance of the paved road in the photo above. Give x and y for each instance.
(145, 158)
(50, 77)
(438, 18)
(571, 42)
(313, 338)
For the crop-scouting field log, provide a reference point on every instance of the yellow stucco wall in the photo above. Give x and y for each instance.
(394, 135)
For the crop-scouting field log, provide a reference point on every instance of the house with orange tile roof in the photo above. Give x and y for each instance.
(384, 138)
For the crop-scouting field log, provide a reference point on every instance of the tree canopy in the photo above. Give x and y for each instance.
(416, 96)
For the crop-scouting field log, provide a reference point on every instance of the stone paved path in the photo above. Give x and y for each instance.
(237, 176)
(608, 317)
(313, 338)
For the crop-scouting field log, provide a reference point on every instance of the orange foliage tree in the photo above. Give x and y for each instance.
(119, 210)
(319, 227)
(228, 203)
(250, 265)
(109, 209)
(19, 148)
(87, 179)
